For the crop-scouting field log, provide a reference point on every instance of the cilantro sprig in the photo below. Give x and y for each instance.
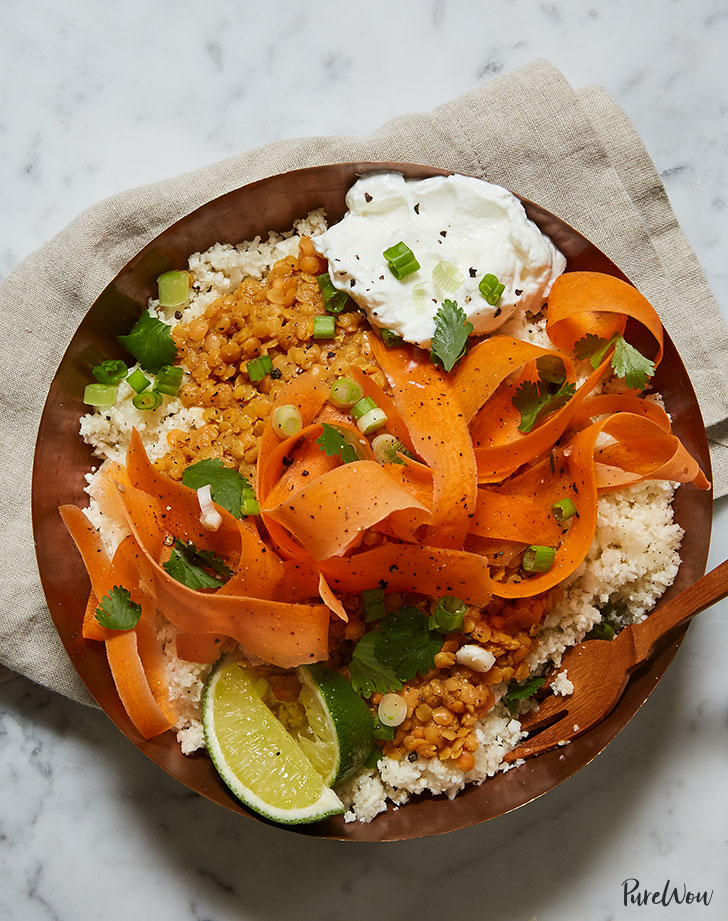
(452, 329)
(150, 342)
(333, 444)
(189, 566)
(519, 692)
(403, 646)
(117, 611)
(627, 362)
(226, 484)
(536, 400)
(368, 675)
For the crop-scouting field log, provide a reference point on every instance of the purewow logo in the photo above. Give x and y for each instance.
(670, 894)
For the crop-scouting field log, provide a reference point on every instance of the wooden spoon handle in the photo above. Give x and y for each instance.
(711, 587)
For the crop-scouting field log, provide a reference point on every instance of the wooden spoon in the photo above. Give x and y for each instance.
(600, 669)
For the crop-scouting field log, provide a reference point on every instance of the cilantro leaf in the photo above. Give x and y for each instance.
(117, 611)
(452, 329)
(333, 444)
(151, 343)
(184, 566)
(226, 484)
(518, 692)
(206, 558)
(368, 674)
(631, 365)
(406, 644)
(534, 401)
(627, 362)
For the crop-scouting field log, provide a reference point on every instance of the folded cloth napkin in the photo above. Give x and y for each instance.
(573, 152)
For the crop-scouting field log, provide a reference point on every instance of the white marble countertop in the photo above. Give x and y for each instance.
(101, 97)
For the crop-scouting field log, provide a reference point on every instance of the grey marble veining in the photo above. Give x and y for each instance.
(97, 98)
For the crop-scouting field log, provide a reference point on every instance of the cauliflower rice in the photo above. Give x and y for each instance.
(633, 559)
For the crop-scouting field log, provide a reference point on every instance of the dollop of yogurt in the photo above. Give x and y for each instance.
(458, 227)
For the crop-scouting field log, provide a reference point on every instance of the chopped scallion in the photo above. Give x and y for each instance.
(257, 368)
(401, 260)
(447, 277)
(385, 448)
(491, 289)
(168, 380)
(449, 614)
(287, 420)
(361, 407)
(148, 400)
(390, 338)
(111, 371)
(334, 300)
(419, 298)
(563, 509)
(138, 381)
(372, 421)
(372, 601)
(100, 394)
(174, 289)
(248, 502)
(345, 393)
(538, 559)
(324, 327)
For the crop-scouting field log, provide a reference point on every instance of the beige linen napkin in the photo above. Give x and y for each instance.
(575, 153)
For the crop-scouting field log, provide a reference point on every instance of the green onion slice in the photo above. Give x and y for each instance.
(538, 559)
(138, 381)
(324, 327)
(362, 407)
(447, 277)
(257, 368)
(168, 380)
(390, 338)
(385, 448)
(419, 298)
(401, 260)
(449, 613)
(564, 509)
(174, 289)
(287, 420)
(248, 503)
(334, 300)
(372, 601)
(372, 421)
(345, 393)
(100, 394)
(111, 371)
(491, 289)
(150, 399)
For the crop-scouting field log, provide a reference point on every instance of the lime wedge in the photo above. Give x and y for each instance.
(339, 736)
(255, 755)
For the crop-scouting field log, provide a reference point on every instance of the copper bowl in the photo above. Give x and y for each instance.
(61, 459)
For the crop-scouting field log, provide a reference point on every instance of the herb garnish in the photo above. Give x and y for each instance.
(150, 342)
(627, 362)
(226, 484)
(518, 692)
(452, 329)
(186, 563)
(117, 611)
(333, 444)
(368, 675)
(406, 644)
(536, 400)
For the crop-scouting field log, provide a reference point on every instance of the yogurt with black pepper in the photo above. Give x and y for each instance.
(460, 231)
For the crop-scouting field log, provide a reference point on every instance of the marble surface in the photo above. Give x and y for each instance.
(99, 97)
